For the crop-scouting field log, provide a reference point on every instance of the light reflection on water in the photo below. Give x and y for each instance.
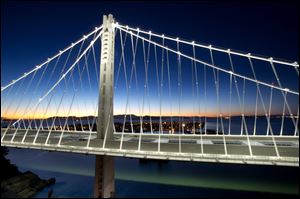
(74, 175)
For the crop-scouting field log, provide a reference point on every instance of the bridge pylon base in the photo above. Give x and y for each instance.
(104, 177)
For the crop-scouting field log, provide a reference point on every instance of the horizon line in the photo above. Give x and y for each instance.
(190, 116)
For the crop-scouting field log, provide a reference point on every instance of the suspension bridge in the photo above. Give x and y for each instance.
(158, 97)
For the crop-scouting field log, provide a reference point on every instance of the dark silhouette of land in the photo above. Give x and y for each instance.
(15, 184)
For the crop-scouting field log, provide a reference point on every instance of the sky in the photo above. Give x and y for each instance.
(33, 31)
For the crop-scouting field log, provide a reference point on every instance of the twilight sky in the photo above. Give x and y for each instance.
(33, 31)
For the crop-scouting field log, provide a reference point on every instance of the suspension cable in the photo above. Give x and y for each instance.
(213, 66)
(295, 64)
(50, 59)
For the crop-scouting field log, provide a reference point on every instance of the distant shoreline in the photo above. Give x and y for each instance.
(148, 116)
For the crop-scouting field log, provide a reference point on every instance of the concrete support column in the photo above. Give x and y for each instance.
(104, 177)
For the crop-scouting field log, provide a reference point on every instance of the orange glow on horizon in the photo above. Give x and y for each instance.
(43, 116)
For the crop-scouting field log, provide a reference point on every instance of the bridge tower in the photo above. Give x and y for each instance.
(104, 165)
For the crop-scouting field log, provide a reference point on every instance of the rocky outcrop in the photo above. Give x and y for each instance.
(24, 185)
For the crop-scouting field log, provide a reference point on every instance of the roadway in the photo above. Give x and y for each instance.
(165, 146)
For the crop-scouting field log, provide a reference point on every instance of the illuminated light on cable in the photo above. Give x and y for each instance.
(84, 36)
(230, 72)
(286, 89)
(150, 32)
(177, 39)
(138, 29)
(58, 54)
(48, 59)
(179, 53)
(210, 64)
(193, 43)
(127, 27)
(249, 55)
(232, 52)
(271, 58)
(228, 50)
(272, 85)
(210, 46)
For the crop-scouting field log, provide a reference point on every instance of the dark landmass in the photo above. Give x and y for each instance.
(145, 117)
(127, 123)
(8, 170)
(15, 184)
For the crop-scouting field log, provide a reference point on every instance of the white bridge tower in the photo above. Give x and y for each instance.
(104, 167)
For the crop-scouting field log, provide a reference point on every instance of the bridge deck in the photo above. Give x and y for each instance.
(190, 148)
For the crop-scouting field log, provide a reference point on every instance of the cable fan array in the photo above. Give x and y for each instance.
(164, 88)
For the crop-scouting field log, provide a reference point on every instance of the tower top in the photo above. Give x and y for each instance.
(108, 19)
